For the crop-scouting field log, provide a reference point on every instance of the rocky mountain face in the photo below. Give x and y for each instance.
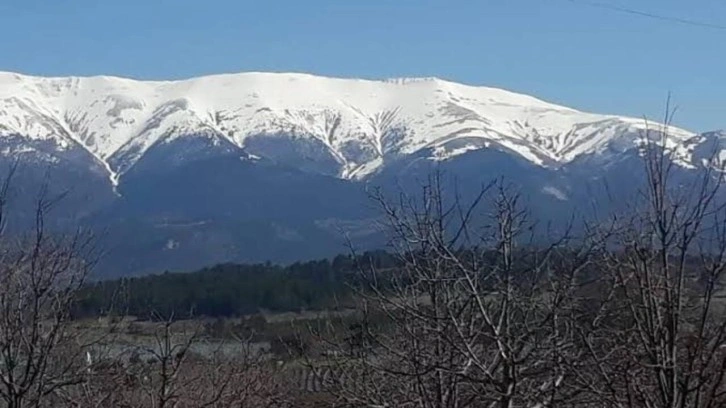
(263, 166)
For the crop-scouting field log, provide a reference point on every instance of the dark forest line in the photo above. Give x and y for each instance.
(230, 290)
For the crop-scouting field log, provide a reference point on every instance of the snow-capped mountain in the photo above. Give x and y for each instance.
(343, 127)
(259, 166)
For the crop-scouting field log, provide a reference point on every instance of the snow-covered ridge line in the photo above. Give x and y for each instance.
(352, 126)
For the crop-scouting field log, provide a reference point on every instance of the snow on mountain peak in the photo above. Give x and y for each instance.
(357, 124)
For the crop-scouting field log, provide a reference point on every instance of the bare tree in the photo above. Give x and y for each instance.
(49, 360)
(658, 339)
(476, 314)
(40, 274)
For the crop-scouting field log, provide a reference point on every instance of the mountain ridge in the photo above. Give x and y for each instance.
(348, 128)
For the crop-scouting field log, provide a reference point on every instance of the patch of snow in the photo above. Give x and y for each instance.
(555, 192)
(441, 153)
(362, 171)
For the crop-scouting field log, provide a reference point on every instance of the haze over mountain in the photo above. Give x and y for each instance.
(268, 166)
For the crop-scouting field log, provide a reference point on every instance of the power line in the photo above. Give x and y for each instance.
(640, 13)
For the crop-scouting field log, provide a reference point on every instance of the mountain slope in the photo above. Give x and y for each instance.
(258, 166)
(348, 128)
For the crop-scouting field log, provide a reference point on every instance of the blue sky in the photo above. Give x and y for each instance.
(564, 51)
